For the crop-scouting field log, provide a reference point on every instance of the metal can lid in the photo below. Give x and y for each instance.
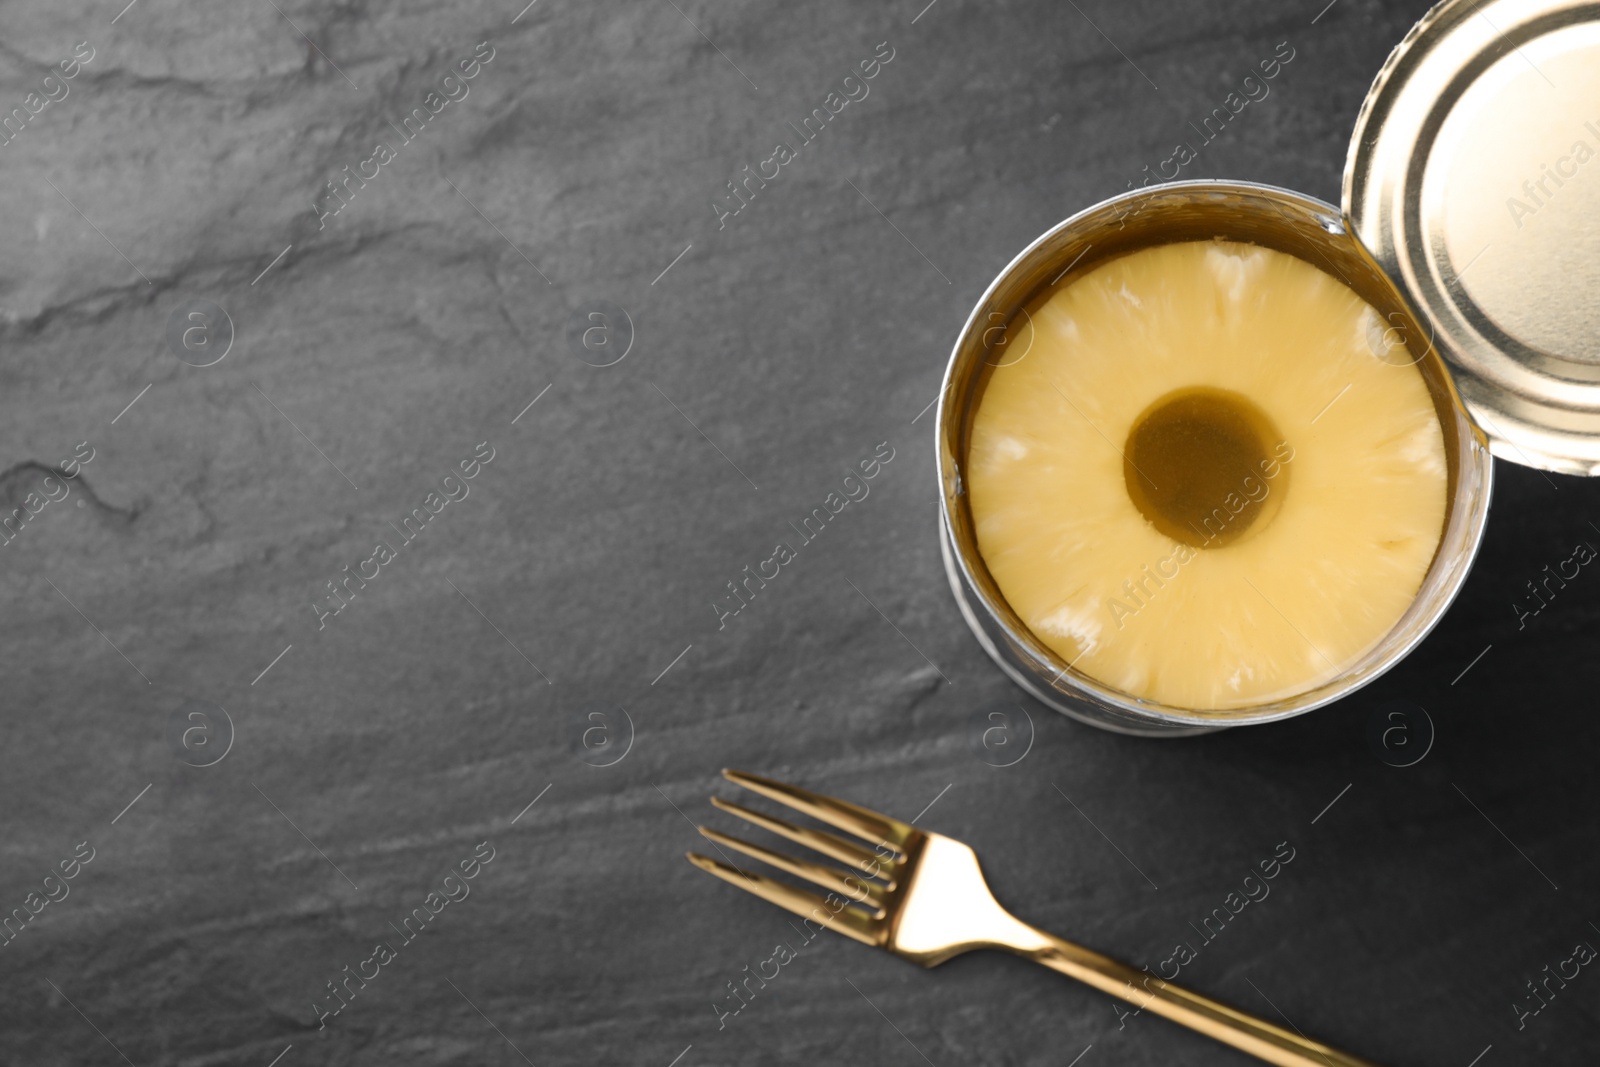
(1474, 180)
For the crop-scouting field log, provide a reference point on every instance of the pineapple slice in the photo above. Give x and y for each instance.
(1212, 480)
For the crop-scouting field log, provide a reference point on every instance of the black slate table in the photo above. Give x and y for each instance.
(534, 683)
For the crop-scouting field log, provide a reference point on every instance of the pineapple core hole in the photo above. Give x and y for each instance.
(1199, 464)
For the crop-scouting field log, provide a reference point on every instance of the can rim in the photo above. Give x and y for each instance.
(1123, 709)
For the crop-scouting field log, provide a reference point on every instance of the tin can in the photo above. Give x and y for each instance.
(1466, 223)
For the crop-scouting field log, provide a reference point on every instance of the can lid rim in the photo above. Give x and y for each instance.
(1413, 172)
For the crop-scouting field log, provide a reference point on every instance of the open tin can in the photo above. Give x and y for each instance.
(1470, 223)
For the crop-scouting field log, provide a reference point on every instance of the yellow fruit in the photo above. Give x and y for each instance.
(1210, 478)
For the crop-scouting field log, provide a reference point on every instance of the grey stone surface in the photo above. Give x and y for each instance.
(379, 751)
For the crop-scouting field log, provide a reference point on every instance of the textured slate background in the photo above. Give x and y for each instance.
(379, 350)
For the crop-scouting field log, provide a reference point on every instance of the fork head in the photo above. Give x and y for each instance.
(917, 894)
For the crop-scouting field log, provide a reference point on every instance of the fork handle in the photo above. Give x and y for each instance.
(1230, 1026)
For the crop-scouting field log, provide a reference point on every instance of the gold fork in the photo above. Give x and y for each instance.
(922, 896)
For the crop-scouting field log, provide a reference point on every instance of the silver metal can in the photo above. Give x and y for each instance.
(1274, 218)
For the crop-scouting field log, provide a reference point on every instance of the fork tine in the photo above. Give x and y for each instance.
(830, 845)
(851, 922)
(856, 888)
(840, 813)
